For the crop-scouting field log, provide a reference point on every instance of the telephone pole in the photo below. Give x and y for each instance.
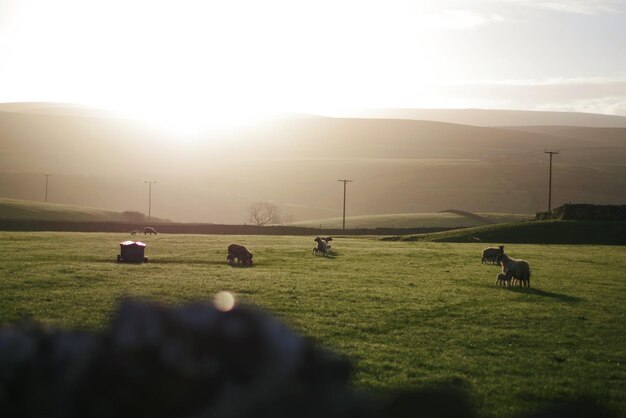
(149, 197)
(551, 152)
(344, 200)
(46, 198)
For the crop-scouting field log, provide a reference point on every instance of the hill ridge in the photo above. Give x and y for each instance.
(16, 209)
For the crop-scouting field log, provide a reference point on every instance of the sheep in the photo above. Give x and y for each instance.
(327, 240)
(518, 270)
(503, 279)
(134, 232)
(239, 252)
(321, 248)
(149, 230)
(491, 254)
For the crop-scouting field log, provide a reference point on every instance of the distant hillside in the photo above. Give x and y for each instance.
(493, 117)
(398, 166)
(533, 232)
(40, 211)
(446, 219)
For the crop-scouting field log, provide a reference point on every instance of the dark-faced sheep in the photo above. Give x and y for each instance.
(518, 270)
(491, 254)
(321, 248)
(327, 241)
(239, 252)
(503, 279)
(149, 230)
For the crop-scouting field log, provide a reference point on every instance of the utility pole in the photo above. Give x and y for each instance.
(46, 198)
(551, 152)
(344, 200)
(149, 197)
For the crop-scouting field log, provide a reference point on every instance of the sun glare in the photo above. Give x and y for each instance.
(224, 301)
(194, 120)
(211, 65)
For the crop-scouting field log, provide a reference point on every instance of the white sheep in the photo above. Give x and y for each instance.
(519, 270)
(321, 246)
(149, 230)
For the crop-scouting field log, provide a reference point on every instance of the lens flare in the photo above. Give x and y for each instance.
(224, 301)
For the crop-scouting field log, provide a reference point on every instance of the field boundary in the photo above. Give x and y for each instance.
(201, 228)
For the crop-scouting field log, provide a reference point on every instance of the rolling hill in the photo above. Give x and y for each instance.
(492, 117)
(533, 232)
(445, 219)
(28, 210)
(398, 166)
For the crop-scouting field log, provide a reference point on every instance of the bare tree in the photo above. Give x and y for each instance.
(263, 213)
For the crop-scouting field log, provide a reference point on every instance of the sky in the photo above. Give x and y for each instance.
(182, 59)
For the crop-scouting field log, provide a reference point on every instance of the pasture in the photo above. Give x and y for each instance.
(408, 314)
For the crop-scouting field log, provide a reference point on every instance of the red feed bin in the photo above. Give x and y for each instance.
(132, 252)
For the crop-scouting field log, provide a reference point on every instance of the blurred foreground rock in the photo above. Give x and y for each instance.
(192, 361)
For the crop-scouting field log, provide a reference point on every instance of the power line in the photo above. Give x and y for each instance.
(46, 197)
(551, 152)
(149, 197)
(344, 200)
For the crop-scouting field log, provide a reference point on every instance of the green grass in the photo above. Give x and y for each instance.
(408, 314)
(533, 232)
(416, 220)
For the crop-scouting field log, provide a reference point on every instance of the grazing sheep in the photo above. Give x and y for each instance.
(149, 230)
(503, 279)
(239, 252)
(134, 232)
(519, 270)
(491, 254)
(321, 248)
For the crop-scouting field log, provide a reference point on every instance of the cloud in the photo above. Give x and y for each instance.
(606, 95)
(611, 105)
(457, 19)
(587, 7)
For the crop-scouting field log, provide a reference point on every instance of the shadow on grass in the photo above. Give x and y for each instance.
(240, 266)
(185, 261)
(332, 257)
(158, 261)
(330, 254)
(534, 291)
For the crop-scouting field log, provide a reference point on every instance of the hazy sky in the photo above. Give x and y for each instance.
(182, 57)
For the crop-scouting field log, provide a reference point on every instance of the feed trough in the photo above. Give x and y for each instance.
(132, 252)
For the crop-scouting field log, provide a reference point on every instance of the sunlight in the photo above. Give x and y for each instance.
(208, 65)
(190, 121)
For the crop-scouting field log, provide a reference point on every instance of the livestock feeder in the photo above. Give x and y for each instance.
(132, 252)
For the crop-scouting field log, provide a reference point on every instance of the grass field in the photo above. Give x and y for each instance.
(408, 314)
